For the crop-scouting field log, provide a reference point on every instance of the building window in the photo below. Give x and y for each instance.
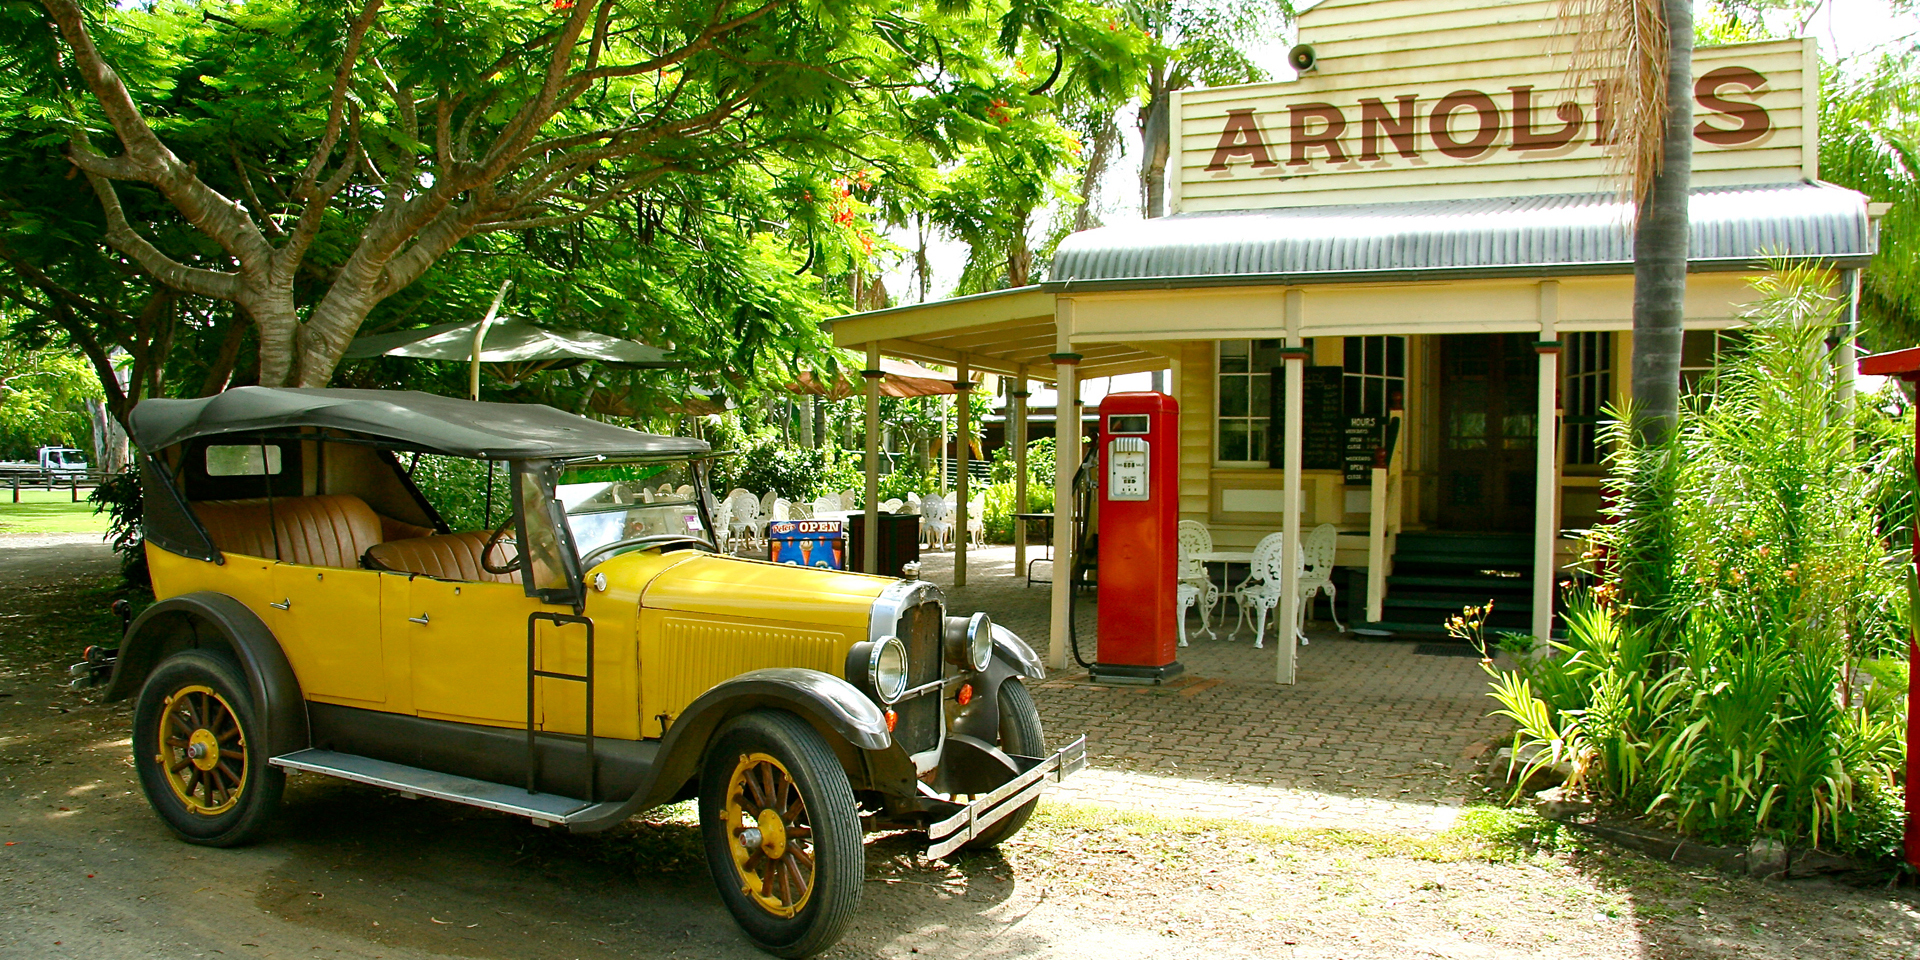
(1244, 394)
(1587, 368)
(1375, 374)
(1700, 353)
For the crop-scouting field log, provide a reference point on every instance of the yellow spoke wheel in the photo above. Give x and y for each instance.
(202, 750)
(782, 832)
(769, 835)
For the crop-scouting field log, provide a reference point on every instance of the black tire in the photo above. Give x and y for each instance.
(1020, 734)
(774, 917)
(203, 698)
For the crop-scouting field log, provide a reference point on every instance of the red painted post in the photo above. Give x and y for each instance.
(1905, 364)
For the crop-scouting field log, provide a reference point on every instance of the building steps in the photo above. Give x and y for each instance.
(1436, 575)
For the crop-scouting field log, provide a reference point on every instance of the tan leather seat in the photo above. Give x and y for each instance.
(331, 530)
(451, 556)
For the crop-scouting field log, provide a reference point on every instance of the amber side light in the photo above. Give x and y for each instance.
(892, 718)
(966, 694)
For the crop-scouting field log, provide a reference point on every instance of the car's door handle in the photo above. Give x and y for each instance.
(286, 604)
(421, 619)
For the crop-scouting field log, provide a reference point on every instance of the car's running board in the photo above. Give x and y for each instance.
(544, 809)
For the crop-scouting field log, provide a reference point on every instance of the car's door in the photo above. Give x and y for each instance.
(466, 644)
(327, 619)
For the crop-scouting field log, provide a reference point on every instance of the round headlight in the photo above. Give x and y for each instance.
(969, 641)
(887, 669)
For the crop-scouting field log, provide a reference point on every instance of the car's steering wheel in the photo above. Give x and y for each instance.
(604, 551)
(519, 561)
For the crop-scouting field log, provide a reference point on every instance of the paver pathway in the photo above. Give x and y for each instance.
(1372, 735)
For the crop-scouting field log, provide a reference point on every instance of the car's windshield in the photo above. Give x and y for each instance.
(610, 502)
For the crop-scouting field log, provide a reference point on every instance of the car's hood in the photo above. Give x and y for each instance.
(765, 591)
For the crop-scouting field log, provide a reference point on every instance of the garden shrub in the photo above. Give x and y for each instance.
(1731, 671)
(457, 487)
(118, 497)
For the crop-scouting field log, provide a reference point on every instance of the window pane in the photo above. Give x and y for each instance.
(1233, 396)
(1350, 349)
(1696, 349)
(1233, 440)
(1257, 443)
(242, 461)
(1260, 391)
(1233, 356)
(1350, 403)
(1396, 356)
(1266, 355)
(1376, 355)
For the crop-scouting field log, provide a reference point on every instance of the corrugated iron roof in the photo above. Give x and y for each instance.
(1731, 226)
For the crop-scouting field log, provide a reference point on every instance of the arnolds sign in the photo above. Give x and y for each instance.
(1415, 99)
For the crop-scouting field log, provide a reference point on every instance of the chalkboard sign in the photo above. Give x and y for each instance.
(1321, 413)
(1364, 435)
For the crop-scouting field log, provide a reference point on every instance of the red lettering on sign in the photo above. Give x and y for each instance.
(1486, 112)
(1525, 137)
(1754, 122)
(1241, 138)
(1328, 139)
(1402, 130)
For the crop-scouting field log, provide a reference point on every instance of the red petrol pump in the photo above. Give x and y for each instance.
(1139, 516)
(1905, 364)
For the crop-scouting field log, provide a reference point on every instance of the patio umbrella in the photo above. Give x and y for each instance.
(902, 379)
(513, 347)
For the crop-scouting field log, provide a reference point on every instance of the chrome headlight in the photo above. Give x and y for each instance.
(879, 667)
(969, 641)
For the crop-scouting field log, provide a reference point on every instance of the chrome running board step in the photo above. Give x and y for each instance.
(544, 809)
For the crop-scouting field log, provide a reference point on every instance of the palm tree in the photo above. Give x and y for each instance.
(1641, 51)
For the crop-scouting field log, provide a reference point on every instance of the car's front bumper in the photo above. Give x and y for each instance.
(947, 835)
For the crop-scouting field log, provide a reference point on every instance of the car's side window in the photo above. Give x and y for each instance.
(542, 540)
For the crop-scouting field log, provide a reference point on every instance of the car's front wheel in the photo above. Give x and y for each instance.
(782, 834)
(1021, 735)
(200, 753)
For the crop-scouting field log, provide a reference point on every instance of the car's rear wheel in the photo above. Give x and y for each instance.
(200, 753)
(1022, 735)
(782, 834)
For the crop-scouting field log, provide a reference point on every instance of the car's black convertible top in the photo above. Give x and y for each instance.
(408, 419)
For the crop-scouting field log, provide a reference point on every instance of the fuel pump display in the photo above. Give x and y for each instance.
(1139, 515)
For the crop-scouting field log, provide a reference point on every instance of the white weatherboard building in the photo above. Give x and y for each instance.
(1422, 228)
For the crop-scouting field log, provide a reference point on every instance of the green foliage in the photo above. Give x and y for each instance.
(1713, 678)
(43, 397)
(1870, 141)
(118, 497)
(904, 480)
(458, 487)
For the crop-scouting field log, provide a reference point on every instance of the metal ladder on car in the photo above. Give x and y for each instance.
(534, 675)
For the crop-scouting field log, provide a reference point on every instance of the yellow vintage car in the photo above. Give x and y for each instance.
(588, 657)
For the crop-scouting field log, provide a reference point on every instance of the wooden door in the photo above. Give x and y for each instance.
(1488, 431)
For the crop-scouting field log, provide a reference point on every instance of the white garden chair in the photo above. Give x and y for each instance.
(1317, 551)
(934, 523)
(779, 509)
(849, 500)
(744, 523)
(891, 506)
(826, 503)
(766, 503)
(977, 522)
(1260, 592)
(1195, 586)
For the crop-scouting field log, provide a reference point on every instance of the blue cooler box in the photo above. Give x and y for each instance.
(809, 543)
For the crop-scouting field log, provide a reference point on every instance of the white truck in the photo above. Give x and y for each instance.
(53, 462)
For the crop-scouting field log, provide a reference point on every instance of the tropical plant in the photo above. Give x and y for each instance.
(1733, 671)
(118, 496)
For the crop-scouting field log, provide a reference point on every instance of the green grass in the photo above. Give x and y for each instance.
(48, 511)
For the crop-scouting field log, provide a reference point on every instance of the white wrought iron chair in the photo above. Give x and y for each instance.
(891, 506)
(766, 503)
(1194, 540)
(779, 509)
(1194, 586)
(826, 503)
(977, 522)
(934, 523)
(1317, 551)
(1260, 592)
(849, 500)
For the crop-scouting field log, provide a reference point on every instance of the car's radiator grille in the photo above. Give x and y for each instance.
(918, 728)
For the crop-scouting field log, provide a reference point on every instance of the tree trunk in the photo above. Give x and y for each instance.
(1019, 256)
(1154, 122)
(1106, 136)
(1660, 244)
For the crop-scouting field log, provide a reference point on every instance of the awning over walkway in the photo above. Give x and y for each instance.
(1585, 234)
(999, 331)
